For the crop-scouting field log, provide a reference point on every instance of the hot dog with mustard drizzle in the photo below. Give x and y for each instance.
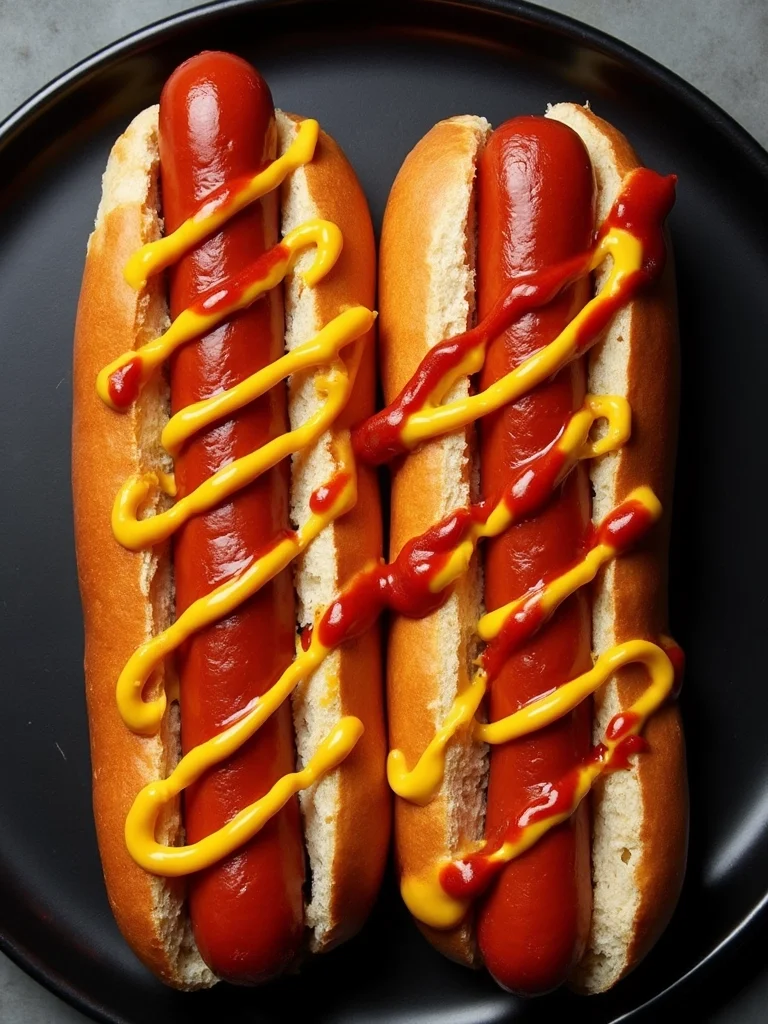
(246, 911)
(222, 529)
(533, 916)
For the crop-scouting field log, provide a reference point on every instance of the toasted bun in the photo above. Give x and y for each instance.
(641, 816)
(426, 292)
(129, 597)
(126, 597)
(347, 814)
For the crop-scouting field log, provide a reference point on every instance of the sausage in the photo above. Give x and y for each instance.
(217, 124)
(535, 209)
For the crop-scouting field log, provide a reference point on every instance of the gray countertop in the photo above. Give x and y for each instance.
(720, 46)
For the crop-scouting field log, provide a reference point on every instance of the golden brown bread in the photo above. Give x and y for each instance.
(125, 596)
(426, 293)
(128, 597)
(426, 290)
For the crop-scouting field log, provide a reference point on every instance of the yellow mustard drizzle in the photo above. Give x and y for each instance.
(144, 716)
(156, 256)
(323, 348)
(421, 784)
(178, 860)
(181, 860)
(333, 382)
(565, 698)
(424, 895)
(436, 419)
(575, 445)
(554, 593)
(335, 385)
(192, 323)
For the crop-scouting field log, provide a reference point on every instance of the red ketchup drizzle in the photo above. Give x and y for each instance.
(621, 724)
(471, 875)
(676, 655)
(516, 630)
(404, 585)
(640, 209)
(124, 384)
(325, 496)
(224, 196)
(377, 439)
(223, 296)
(468, 877)
(620, 529)
(305, 637)
(624, 526)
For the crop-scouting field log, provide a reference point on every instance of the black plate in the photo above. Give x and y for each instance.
(377, 75)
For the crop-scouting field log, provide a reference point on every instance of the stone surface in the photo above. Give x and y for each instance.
(718, 47)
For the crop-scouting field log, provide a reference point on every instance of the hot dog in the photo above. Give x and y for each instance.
(528, 348)
(217, 511)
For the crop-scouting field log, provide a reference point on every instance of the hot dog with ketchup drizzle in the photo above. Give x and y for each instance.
(533, 917)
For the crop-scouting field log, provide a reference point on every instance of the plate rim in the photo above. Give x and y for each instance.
(520, 10)
(23, 117)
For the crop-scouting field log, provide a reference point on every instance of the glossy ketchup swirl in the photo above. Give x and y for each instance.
(631, 234)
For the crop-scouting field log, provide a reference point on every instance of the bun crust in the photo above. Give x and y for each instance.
(129, 597)
(426, 293)
(126, 597)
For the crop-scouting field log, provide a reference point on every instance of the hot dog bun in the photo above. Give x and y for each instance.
(426, 292)
(128, 597)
